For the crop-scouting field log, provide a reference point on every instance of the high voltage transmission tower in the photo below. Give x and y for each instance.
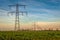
(34, 26)
(17, 13)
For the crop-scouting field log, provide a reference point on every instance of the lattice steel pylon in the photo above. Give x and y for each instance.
(34, 26)
(17, 13)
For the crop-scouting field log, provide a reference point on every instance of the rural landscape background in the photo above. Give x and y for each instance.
(42, 21)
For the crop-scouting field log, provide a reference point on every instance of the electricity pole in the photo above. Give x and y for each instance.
(17, 13)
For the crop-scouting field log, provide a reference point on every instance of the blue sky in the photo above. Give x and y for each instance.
(38, 10)
(45, 13)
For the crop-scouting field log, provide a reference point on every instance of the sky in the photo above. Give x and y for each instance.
(39, 11)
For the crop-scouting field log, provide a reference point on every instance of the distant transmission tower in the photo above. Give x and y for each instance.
(17, 13)
(34, 26)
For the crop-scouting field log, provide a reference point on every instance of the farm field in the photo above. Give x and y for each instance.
(30, 35)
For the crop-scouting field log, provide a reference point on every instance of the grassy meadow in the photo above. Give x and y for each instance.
(29, 35)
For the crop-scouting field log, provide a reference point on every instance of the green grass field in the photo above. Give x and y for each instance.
(29, 35)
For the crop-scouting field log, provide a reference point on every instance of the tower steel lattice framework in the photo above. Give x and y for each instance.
(17, 13)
